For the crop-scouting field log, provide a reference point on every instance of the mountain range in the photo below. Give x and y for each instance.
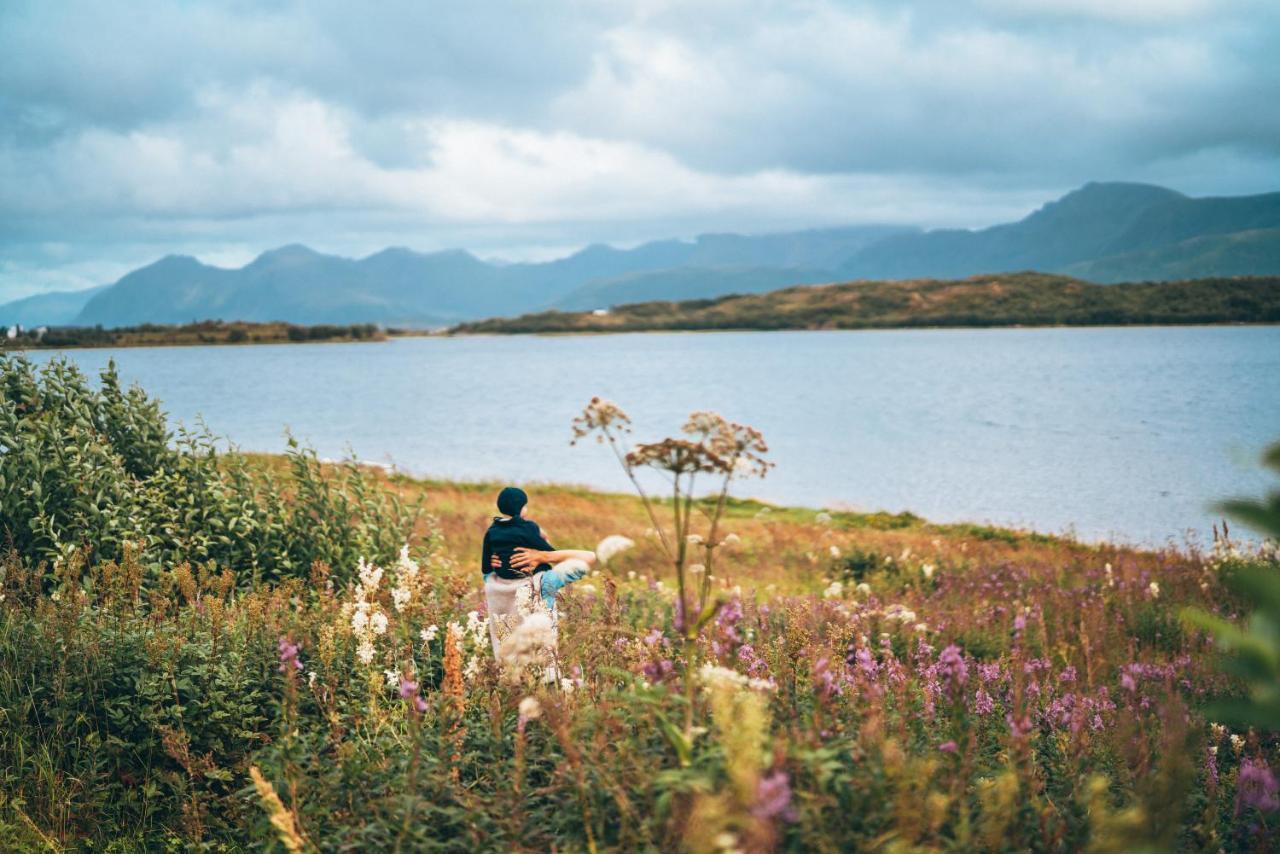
(1102, 232)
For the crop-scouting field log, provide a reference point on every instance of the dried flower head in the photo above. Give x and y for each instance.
(603, 416)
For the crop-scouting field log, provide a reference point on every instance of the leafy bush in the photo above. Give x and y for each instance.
(90, 470)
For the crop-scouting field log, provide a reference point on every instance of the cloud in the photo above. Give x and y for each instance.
(226, 128)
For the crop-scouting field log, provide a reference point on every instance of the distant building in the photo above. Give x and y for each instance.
(12, 333)
(601, 312)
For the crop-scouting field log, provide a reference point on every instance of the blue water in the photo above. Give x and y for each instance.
(1127, 434)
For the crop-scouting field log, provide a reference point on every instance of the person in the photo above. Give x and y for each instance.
(517, 563)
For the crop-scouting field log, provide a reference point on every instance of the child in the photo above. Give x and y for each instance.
(517, 563)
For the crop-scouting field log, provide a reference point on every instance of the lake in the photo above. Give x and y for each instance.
(1118, 433)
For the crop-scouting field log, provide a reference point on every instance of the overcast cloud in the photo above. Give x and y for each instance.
(524, 130)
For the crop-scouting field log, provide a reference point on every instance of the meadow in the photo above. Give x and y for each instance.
(210, 651)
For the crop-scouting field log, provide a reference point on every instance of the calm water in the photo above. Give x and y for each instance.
(1124, 433)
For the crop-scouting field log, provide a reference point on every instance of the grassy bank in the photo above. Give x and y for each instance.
(201, 333)
(1006, 299)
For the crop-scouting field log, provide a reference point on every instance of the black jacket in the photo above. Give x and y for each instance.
(504, 537)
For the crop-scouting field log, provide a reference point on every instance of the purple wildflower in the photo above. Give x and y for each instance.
(288, 655)
(773, 797)
(952, 666)
(1256, 787)
(948, 747)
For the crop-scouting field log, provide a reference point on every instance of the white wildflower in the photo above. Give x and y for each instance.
(864, 589)
(477, 628)
(900, 613)
(567, 685)
(530, 708)
(731, 540)
(697, 569)
(631, 575)
(472, 670)
(694, 539)
(835, 551)
(822, 518)
(364, 651)
(359, 620)
(378, 623)
(587, 589)
(927, 570)
(612, 546)
(530, 642)
(311, 679)
(922, 627)
(392, 677)
(400, 597)
(1237, 743)
(834, 590)
(430, 633)
(1154, 589)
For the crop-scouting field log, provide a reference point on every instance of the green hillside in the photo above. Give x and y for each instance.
(1012, 299)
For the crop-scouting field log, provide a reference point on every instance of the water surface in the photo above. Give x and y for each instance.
(1125, 433)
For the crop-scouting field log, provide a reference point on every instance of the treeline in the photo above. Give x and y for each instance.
(201, 332)
(1014, 299)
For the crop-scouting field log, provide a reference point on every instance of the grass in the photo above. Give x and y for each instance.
(1004, 299)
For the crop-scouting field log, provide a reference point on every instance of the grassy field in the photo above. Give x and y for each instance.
(203, 651)
(203, 332)
(1005, 299)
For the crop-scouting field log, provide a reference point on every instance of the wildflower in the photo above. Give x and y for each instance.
(694, 539)
(900, 613)
(378, 623)
(834, 590)
(359, 620)
(1237, 743)
(529, 642)
(952, 666)
(927, 569)
(726, 842)
(948, 747)
(530, 708)
(922, 627)
(477, 628)
(631, 575)
(612, 546)
(567, 685)
(364, 651)
(835, 551)
(731, 540)
(697, 569)
(1256, 787)
(400, 597)
(864, 589)
(430, 633)
(1020, 622)
(822, 518)
(1154, 589)
(282, 819)
(288, 655)
(392, 677)
(773, 797)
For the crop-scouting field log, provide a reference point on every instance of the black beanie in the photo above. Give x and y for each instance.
(511, 500)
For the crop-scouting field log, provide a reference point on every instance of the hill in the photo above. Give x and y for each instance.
(51, 309)
(1017, 299)
(1102, 232)
(1090, 230)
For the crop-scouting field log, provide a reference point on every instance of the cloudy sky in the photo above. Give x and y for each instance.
(524, 130)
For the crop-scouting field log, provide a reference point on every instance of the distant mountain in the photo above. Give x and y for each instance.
(52, 309)
(401, 287)
(1102, 232)
(1096, 222)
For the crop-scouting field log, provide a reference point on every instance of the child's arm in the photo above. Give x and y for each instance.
(529, 558)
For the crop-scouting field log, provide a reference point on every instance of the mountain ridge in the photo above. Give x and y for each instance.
(1104, 232)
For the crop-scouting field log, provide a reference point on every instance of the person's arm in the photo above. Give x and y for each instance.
(529, 558)
(488, 560)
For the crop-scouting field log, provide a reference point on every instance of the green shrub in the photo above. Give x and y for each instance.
(90, 470)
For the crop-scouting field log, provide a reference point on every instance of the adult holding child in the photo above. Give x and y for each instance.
(522, 571)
